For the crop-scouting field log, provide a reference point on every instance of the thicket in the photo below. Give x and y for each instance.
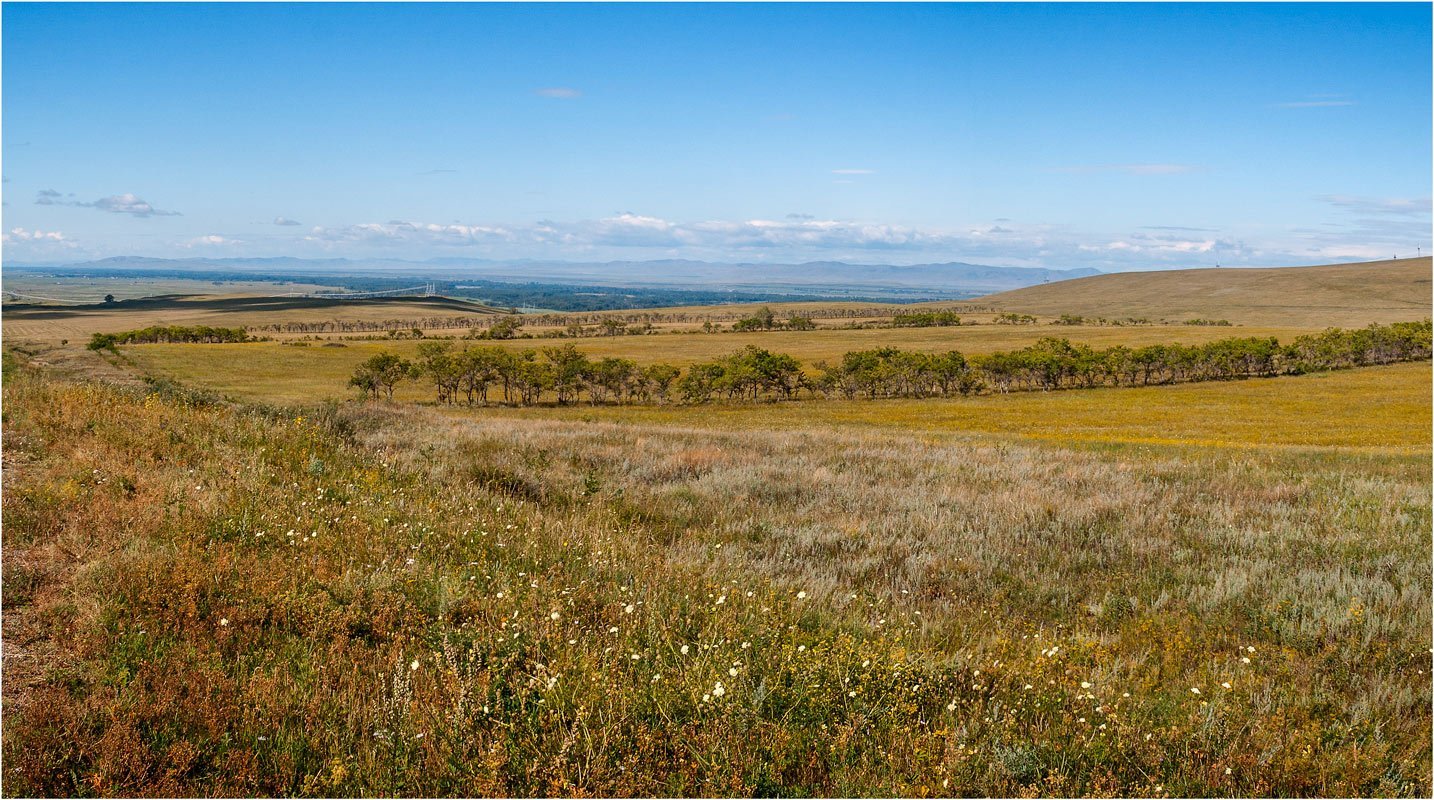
(926, 319)
(168, 334)
(753, 373)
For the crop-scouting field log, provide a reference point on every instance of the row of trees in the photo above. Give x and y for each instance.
(569, 376)
(167, 334)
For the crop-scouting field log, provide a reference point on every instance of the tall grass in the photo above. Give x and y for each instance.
(371, 600)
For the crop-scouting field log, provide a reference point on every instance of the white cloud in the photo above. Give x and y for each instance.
(25, 235)
(796, 238)
(394, 233)
(213, 240)
(559, 92)
(286, 221)
(115, 204)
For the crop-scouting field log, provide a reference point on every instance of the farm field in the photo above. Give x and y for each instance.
(50, 324)
(1374, 409)
(93, 289)
(1338, 295)
(276, 372)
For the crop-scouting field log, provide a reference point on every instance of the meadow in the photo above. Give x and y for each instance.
(285, 373)
(375, 599)
(225, 574)
(1340, 295)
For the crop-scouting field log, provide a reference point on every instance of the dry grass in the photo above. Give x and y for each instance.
(386, 600)
(1377, 409)
(93, 290)
(1339, 295)
(50, 324)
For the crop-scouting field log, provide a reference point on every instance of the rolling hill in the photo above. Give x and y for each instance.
(1344, 295)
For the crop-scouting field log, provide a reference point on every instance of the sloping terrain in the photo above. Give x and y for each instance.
(1341, 295)
(47, 322)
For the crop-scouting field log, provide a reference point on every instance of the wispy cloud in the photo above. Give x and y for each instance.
(1318, 101)
(853, 172)
(1380, 205)
(559, 92)
(800, 237)
(286, 221)
(1130, 169)
(115, 204)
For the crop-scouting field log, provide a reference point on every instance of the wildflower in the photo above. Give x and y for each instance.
(554, 616)
(1028, 686)
(801, 648)
(223, 622)
(613, 629)
(951, 706)
(706, 698)
(414, 665)
(732, 672)
(1226, 684)
(721, 599)
(1085, 684)
(719, 689)
(1193, 690)
(801, 595)
(1245, 660)
(627, 609)
(1228, 770)
(851, 694)
(1250, 649)
(636, 657)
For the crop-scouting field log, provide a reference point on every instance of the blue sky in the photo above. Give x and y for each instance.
(1115, 136)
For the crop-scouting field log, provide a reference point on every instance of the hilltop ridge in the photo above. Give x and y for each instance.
(1343, 295)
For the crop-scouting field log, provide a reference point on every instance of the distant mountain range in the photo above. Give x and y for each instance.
(955, 278)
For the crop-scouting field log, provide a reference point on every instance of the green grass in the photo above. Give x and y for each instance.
(390, 600)
(273, 372)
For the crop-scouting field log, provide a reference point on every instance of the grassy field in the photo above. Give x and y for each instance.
(50, 324)
(276, 372)
(1338, 295)
(93, 290)
(390, 600)
(1376, 409)
(1210, 589)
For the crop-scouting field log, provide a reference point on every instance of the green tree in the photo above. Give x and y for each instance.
(381, 373)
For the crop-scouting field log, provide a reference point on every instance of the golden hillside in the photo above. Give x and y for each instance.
(1344, 295)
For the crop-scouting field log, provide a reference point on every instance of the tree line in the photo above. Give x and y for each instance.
(753, 373)
(167, 334)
